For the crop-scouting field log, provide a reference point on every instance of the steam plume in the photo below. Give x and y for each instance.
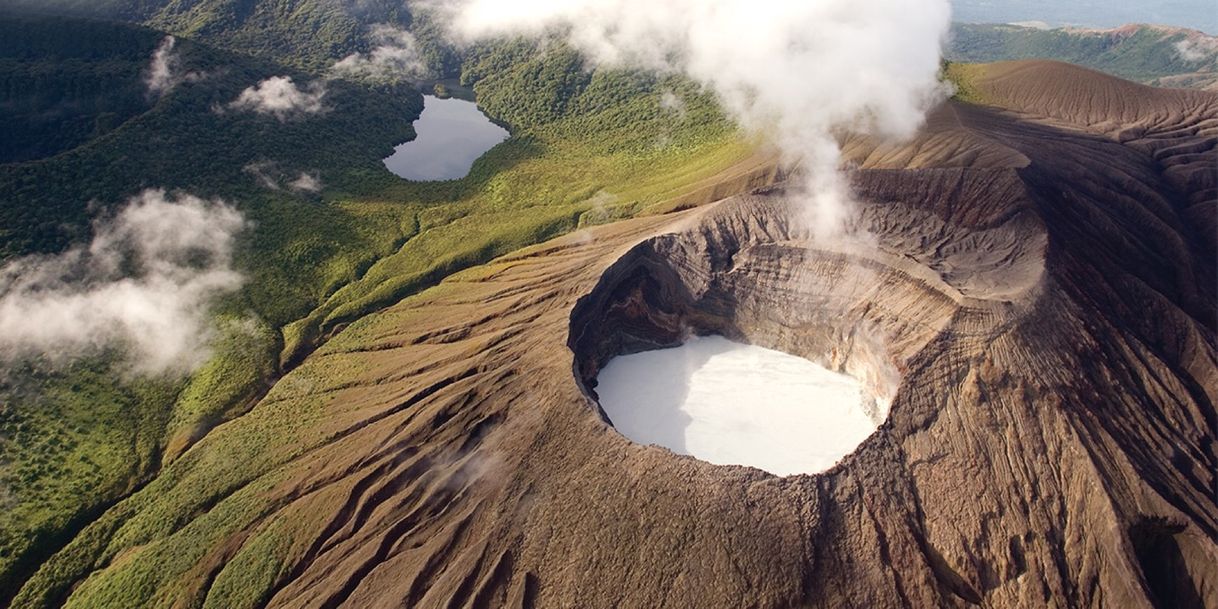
(797, 72)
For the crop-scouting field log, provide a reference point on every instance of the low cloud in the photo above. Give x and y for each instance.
(795, 72)
(165, 71)
(269, 175)
(144, 286)
(396, 55)
(307, 182)
(261, 172)
(278, 96)
(1195, 50)
(670, 102)
(1035, 25)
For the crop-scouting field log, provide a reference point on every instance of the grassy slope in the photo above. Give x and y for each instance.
(587, 147)
(307, 34)
(1141, 53)
(963, 77)
(74, 440)
(57, 93)
(599, 150)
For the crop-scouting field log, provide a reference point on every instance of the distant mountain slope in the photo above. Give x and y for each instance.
(1198, 14)
(181, 140)
(308, 34)
(126, 10)
(1150, 54)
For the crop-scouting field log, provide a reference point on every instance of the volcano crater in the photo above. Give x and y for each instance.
(748, 273)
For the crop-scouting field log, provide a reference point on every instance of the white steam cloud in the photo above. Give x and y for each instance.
(798, 72)
(278, 96)
(144, 285)
(164, 73)
(396, 55)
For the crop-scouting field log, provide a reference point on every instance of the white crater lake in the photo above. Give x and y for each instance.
(734, 404)
(449, 136)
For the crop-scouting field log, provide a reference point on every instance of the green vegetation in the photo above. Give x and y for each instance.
(75, 440)
(58, 93)
(70, 442)
(1145, 54)
(587, 147)
(963, 76)
(183, 142)
(306, 34)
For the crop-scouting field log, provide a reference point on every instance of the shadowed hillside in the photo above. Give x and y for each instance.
(306, 34)
(62, 86)
(76, 439)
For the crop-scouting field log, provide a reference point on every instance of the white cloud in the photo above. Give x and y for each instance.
(670, 102)
(278, 96)
(261, 171)
(307, 182)
(160, 74)
(143, 285)
(796, 71)
(1194, 50)
(163, 73)
(396, 55)
(1035, 25)
(269, 175)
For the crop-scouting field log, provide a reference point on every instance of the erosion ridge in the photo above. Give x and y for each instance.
(1036, 292)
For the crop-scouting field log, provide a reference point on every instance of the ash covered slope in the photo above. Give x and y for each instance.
(1042, 280)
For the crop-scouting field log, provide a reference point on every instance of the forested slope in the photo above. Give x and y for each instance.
(1149, 54)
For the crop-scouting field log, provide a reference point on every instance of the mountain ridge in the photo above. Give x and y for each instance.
(1151, 54)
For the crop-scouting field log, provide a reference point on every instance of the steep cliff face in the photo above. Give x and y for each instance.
(1033, 293)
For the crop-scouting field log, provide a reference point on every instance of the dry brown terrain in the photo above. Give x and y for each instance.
(1036, 289)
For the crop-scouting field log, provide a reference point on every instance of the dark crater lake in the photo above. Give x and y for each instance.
(451, 134)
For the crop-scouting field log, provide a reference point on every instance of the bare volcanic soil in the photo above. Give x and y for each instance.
(1035, 291)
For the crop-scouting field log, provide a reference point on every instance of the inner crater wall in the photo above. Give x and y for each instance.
(756, 278)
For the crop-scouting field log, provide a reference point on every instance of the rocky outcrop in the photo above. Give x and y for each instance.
(1036, 298)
